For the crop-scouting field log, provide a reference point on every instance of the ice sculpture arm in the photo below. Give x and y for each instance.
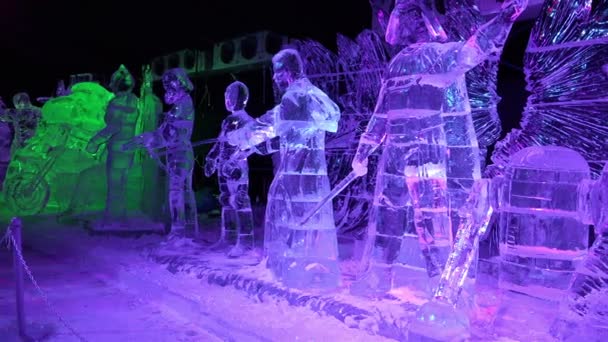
(372, 137)
(475, 217)
(489, 38)
(254, 133)
(211, 159)
(113, 124)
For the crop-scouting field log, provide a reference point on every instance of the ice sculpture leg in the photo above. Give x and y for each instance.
(118, 165)
(229, 218)
(180, 184)
(410, 176)
(237, 217)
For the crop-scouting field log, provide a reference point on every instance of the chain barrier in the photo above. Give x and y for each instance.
(10, 240)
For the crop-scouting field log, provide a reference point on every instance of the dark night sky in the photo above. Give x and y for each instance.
(43, 41)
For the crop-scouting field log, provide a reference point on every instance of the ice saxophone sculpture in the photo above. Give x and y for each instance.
(233, 175)
(543, 236)
(301, 255)
(583, 309)
(174, 134)
(423, 95)
(120, 119)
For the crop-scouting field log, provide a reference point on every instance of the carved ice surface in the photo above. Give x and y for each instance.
(585, 309)
(121, 118)
(233, 174)
(302, 256)
(24, 119)
(423, 111)
(174, 135)
(542, 234)
(563, 63)
(461, 20)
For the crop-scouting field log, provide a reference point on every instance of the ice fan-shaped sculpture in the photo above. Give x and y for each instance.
(568, 102)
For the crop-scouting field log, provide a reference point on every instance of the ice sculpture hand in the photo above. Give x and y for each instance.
(210, 166)
(514, 8)
(92, 147)
(359, 166)
(140, 141)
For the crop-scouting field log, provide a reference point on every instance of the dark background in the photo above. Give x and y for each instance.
(43, 41)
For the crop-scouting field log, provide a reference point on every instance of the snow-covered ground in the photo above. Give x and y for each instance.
(109, 288)
(106, 291)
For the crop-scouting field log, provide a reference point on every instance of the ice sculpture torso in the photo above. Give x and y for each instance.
(305, 255)
(121, 116)
(176, 131)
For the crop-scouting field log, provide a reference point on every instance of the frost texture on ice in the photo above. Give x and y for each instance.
(174, 135)
(563, 63)
(422, 111)
(230, 163)
(120, 119)
(301, 256)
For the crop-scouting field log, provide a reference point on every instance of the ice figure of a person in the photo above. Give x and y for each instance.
(174, 135)
(230, 162)
(300, 255)
(423, 118)
(120, 119)
(24, 118)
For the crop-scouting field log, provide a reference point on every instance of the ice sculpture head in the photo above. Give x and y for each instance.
(122, 81)
(236, 96)
(414, 21)
(21, 101)
(287, 66)
(176, 84)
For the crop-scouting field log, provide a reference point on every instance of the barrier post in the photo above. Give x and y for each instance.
(15, 228)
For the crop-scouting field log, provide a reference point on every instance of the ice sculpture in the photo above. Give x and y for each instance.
(422, 112)
(583, 314)
(542, 232)
(154, 184)
(307, 255)
(174, 134)
(24, 119)
(6, 136)
(563, 64)
(121, 117)
(42, 176)
(461, 20)
(233, 175)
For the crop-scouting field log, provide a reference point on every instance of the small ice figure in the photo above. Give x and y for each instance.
(121, 118)
(233, 175)
(6, 135)
(543, 234)
(300, 255)
(174, 134)
(24, 118)
(584, 311)
(423, 117)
